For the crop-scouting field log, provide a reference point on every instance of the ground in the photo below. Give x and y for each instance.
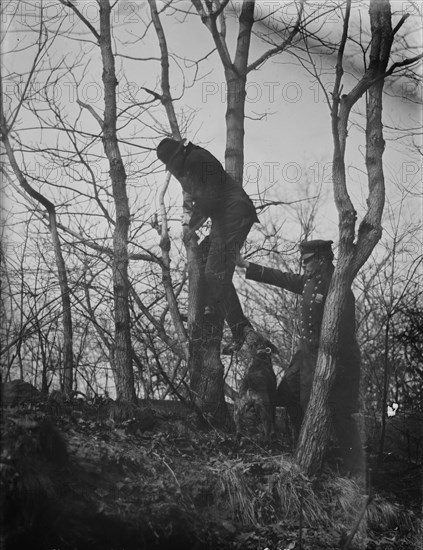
(107, 476)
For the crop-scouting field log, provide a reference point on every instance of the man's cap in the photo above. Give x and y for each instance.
(317, 248)
(168, 148)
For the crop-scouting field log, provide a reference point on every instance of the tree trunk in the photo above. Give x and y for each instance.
(315, 430)
(60, 262)
(236, 80)
(207, 385)
(316, 427)
(384, 402)
(203, 348)
(123, 350)
(66, 306)
(205, 367)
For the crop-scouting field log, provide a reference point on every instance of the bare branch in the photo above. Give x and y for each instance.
(400, 24)
(69, 4)
(404, 63)
(210, 22)
(90, 108)
(284, 45)
(166, 277)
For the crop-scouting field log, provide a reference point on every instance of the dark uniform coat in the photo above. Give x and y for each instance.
(299, 375)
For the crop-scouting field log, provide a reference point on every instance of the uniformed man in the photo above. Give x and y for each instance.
(294, 390)
(216, 196)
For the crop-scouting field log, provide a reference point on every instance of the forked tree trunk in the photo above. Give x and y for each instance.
(315, 430)
(207, 371)
(236, 72)
(203, 348)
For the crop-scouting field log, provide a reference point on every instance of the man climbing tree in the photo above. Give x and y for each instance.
(218, 197)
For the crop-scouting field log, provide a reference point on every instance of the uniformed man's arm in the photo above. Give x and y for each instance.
(288, 281)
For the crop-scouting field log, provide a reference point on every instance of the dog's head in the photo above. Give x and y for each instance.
(258, 345)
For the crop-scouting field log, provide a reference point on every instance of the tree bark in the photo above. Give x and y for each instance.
(316, 426)
(236, 79)
(123, 351)
(201, 343)
(206, 357)
(205, 367)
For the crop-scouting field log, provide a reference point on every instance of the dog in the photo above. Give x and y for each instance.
(258, 387)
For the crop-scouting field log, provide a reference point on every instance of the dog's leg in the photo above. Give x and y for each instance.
(238, 406)
(266, 417)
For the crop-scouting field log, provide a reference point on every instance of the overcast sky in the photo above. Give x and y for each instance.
(288, 130)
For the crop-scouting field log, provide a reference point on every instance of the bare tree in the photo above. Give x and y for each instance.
(204, 340)
(122, 351)
(6, 127)
(389, 288)
(354, 248)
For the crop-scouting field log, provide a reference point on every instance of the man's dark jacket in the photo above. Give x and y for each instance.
(215, 193)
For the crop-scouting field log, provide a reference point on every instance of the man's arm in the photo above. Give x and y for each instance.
(207, 179)
(192, 217)
(288, 281)
(197, 219)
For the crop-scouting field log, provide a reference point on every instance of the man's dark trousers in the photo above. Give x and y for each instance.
(226, 239)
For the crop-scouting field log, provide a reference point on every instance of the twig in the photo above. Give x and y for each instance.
(357, 523)
(300, 534)
(166, 276)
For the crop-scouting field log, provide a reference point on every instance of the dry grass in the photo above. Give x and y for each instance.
(295, 496)
(285, 494)
(383, 515)
(349, 498)
(241, 498)
(347, 501)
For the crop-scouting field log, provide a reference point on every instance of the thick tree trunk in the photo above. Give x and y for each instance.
(316, 427)
(123, 350)
(205, 367)
(207, 385)
(203, 349)
(315, 430)
(236, 80)
(235, 113)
